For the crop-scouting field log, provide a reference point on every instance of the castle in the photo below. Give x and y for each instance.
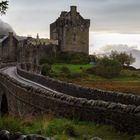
(70, 32)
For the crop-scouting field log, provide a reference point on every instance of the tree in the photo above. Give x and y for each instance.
(130, 60)
(123, 57)
(3, 7)
(46, 69)
(108, 68)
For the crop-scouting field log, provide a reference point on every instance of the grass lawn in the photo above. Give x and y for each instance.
(63, 129)
(73, 68)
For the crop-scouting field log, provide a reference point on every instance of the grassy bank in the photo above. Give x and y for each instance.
(77, 68)
(62, 129)
(128, 81)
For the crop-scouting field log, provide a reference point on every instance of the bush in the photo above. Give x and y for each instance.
(65, 70)
(130, 73)
(90, 70)
(73, 58)
(108, 68)
(47, 60)
(69, 130)
(123, 58)
(76, 75)
(46, 69)
(129, 68)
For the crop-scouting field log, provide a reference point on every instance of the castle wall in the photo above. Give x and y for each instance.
(76, 39)
(79, 91)
(72, 31)
(9, 49)
(32, 50)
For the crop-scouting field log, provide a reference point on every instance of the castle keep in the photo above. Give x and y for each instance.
(72, 31)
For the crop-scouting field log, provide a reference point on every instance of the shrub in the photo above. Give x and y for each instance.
(69, 130)
(73, 58)
(123, 57)
(108, 68)
(129, 68)
(90, 70)
(65, 70)
(49, 60)
(76, 75)
(46, 69)
(130, 73)
(137, 137)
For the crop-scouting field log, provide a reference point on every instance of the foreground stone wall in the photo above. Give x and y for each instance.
(79, 91)
(25, 100)
(6, 135)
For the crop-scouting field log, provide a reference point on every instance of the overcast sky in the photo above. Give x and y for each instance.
(29, 17)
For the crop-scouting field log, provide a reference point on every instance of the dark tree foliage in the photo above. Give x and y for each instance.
(3, 7)
(108, 68)
(123, 58)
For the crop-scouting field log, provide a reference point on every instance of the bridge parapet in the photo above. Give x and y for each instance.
(94, 108)
(33, 68)
(25, 100)
(79, 91)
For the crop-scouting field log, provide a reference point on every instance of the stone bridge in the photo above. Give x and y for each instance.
(24, 93)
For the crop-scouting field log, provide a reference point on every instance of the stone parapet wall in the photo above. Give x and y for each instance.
(79, 91)
(6, 135)
(2, 65)
(26, 100)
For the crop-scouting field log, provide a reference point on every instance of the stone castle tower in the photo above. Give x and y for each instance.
(72, 31)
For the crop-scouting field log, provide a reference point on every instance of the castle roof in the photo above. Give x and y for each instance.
(72, 18)
(3, 38)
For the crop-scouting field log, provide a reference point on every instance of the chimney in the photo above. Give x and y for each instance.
(73, 9)
(11, 39)
(11, 34)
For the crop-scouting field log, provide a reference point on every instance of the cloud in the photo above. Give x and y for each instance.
(5, 28)
(106, 15)
(119, 48)
(123, 48)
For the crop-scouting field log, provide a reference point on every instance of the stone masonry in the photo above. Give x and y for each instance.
(72, 31)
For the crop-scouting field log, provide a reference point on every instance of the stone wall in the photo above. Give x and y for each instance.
(72, 31)
(6, 135)
(117, 114)
(79, 91)
(25, 100)
(8, 48)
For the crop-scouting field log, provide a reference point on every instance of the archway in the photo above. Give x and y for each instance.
(4, 105)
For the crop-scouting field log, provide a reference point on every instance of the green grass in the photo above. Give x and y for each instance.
(126, 75)
(62, 129)
(73, 68)
(128, 81)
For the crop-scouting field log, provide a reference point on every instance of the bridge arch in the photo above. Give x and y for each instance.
(4, 105)
(3, 101)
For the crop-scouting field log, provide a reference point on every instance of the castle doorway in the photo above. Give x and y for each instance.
(4, 105)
